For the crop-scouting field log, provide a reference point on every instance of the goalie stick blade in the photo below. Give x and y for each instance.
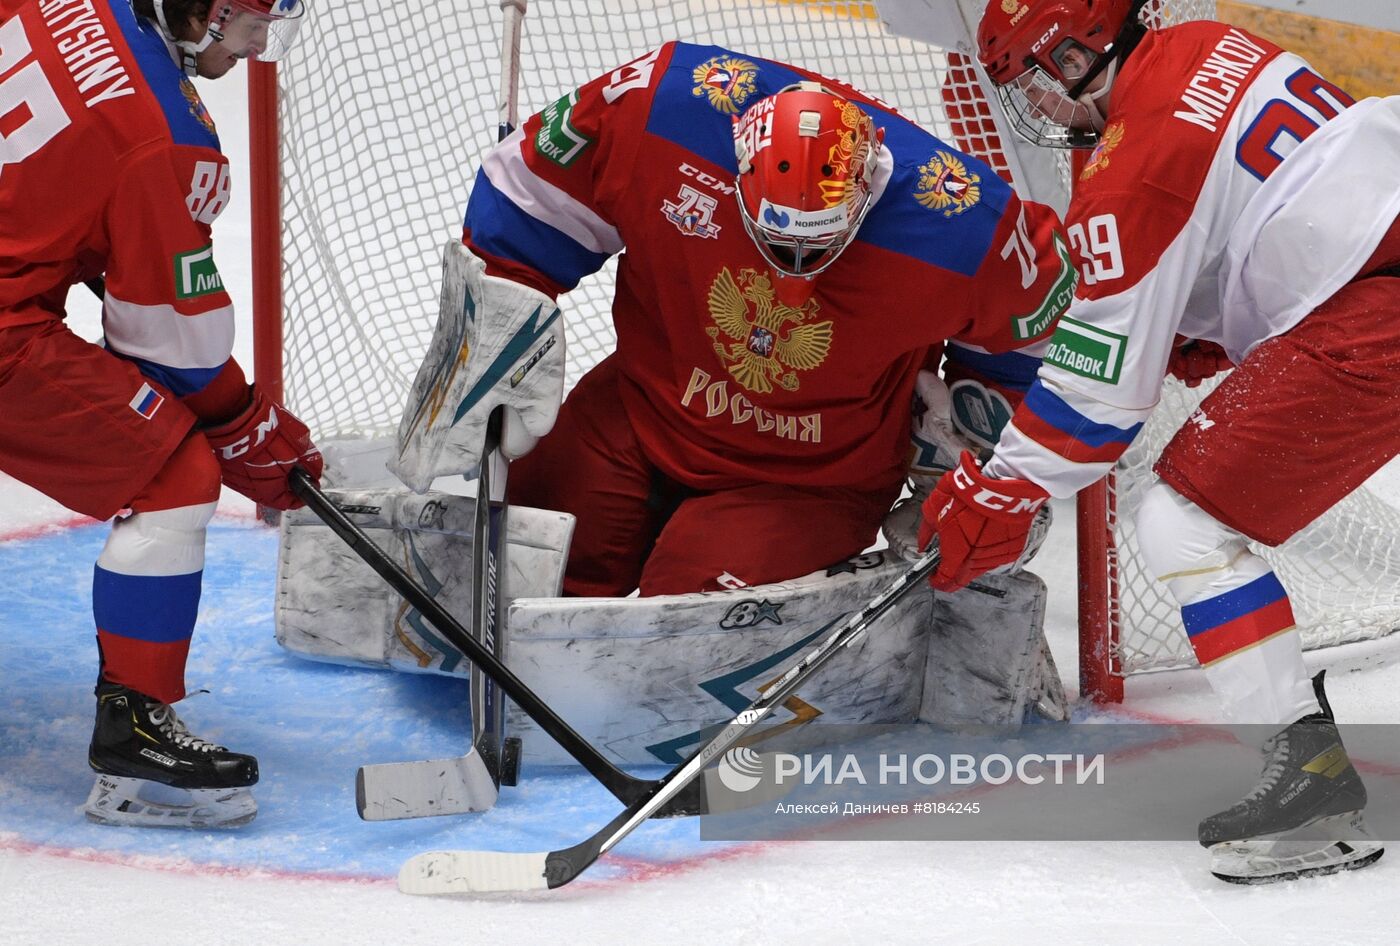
(391, 791)
(445, 873)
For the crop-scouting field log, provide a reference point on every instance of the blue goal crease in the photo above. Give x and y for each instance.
(311, 725)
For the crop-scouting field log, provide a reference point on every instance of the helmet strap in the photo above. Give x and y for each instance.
(1129, 35)
(188, 51)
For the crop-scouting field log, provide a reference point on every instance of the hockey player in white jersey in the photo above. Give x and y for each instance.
(1236, 202)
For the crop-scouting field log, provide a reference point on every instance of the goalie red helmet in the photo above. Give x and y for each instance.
(806, 159)
(1046, 55)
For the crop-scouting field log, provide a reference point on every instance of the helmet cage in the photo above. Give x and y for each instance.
(1043, 112)
(1043, 59)
(795, 254)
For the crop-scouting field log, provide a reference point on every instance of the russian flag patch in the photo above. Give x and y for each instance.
(147, 401)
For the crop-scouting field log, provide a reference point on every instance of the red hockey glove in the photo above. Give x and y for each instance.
(980, 522)
(258, 449)
(1193, 360)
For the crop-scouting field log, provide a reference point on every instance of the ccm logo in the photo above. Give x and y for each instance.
(991, 499)
(258, 435)
(1035, 48)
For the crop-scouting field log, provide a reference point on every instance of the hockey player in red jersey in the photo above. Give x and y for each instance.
(112, 170)
(790, 252)
(1237, 207)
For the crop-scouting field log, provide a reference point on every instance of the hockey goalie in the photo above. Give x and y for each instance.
(791, 254)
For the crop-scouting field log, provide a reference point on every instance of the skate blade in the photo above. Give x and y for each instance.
(1326, 846)
(134, 802)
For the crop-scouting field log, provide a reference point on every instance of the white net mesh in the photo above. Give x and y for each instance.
(387, 109)
(1342, 572)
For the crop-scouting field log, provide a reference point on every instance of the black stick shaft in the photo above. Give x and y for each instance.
(563, 866)
(622, 785)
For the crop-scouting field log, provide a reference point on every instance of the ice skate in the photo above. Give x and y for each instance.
(152, 772)
(1303, 817)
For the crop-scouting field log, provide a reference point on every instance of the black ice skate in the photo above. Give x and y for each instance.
(151, 771)
(1304, 815)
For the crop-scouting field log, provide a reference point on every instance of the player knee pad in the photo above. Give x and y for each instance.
(167, 542)
(1195, 554)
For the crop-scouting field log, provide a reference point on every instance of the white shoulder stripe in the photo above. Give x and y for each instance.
(506, 169)
(160, 334)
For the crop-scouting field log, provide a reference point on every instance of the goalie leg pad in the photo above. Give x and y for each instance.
(988, 660)
(332, 607)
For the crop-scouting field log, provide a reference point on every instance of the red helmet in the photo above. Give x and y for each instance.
(263, 29)
(1043, 53)
(806, 160)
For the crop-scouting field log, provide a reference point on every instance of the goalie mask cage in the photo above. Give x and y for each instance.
(364, 147)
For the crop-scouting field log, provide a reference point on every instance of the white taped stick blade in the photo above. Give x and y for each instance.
(445, 873)
(391, 791)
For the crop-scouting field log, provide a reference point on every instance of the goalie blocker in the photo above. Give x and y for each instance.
(496, 344)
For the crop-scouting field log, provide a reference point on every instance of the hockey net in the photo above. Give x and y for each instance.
(385, 115)
(385, 111)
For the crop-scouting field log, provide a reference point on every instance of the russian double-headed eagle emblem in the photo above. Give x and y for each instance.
(727, 81)
(1111, 138)
(947, 186)
(767, 342)
(849, 155)
(196, 104)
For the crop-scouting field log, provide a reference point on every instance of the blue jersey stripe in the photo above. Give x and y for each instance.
(1055, 412)
(682, 113)
(503, 230)
(1213, 612)
(958, 242)
(165, 80)
(181, 382)
(159, 610)
(1009, 369)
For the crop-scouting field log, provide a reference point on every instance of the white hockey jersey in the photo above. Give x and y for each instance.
(1233, 191)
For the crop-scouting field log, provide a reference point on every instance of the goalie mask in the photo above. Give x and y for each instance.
(1044, 57)
(806, 160)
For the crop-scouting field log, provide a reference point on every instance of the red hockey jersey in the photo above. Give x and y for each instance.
(109, 163)
(723, 384)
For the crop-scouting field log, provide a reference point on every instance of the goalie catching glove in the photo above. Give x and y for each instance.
(258, 449)
(497, 344)
(981, 523)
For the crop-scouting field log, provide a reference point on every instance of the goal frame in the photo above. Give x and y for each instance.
(1101, 574)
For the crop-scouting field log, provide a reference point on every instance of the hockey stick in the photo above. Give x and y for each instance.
(389, 791)
(457, 872)
(428, 787)
(628, 789)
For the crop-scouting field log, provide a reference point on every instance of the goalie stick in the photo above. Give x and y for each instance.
(628, 789)
(429, 787)
(389, 791)
(458, 872)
